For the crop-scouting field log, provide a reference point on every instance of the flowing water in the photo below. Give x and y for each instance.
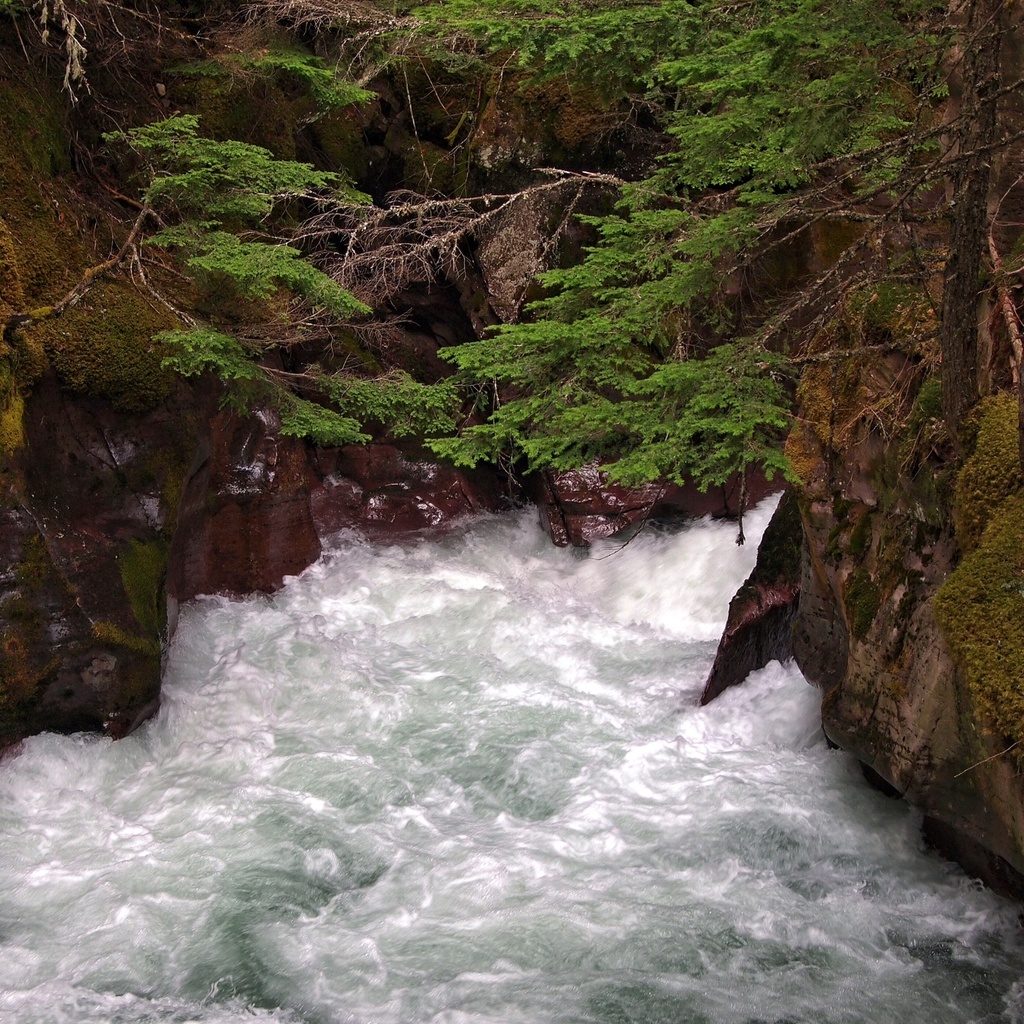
(468, 782)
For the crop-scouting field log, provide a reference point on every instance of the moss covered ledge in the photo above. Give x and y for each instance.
(980, 610)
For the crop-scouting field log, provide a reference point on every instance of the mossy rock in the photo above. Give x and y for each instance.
(980, 610)
(339, 137)
(429, 169)
(803, 452)
(26, 656)
(12, 412)
(257, 112)
(860, 536)
(833, 237)
(899, 313)
(112, 635)
(830, 399)
(12, 295)
(142, 566)
(33, 130)
(780, 550)
(104, 348)
(927, 405)
(991, 473)
(19, 676)
(862, 600)
(39, 246)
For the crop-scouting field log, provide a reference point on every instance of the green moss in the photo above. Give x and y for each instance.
(833, 544)
(12, 296)
(928, 404)
(164, 470)
(35, 566)
(112, 634)
(428, 169)
(898, 312)
(860, 536)
(913, 477)
(778, 556)
(104, 348)
(862, 600)
(39, 248)
(831, 400)
(339, 136)
(980, 610)
(991, 473)
(803, 452)
(36, 123)
(12, 413)
(18, 676)
(832, 238)
(142, 567)
(254, 111)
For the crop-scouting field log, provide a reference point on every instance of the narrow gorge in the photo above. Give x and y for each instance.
(382, 391)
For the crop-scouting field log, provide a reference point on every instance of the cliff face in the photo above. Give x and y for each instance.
(883, 524)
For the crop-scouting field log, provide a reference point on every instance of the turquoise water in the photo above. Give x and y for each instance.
(468, 782)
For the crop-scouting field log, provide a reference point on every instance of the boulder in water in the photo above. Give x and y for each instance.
(761, 615)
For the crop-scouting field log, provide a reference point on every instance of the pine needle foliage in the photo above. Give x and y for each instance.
(259, 268)
(219, 202)
(647, 357)
(615, 46)
(287, 64)
(226, 181)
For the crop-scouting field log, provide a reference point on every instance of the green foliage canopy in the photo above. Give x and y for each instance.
(649, 356)
(223, 196)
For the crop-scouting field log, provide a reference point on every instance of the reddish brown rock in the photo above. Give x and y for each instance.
(245, 520)
(85, 506)
(579, 506)
(761, 615)
(384, 492)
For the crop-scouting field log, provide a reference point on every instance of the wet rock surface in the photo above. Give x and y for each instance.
(386, 492)
(578, 507)
(109, 522)
(245, 521)
(866, 634)
(759, 628)
(85, 515)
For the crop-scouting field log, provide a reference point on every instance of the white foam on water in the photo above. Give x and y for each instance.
(467, 781)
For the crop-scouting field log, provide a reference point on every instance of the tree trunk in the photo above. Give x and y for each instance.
(978, 72)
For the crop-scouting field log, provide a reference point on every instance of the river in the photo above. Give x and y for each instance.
(468, 782)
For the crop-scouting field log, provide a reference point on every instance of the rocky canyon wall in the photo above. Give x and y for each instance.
(893, 575)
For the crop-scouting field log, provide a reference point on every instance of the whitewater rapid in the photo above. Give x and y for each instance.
(468, 782)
